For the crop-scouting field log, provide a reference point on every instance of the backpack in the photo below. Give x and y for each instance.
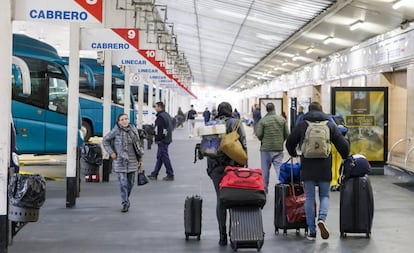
(317, 141)
(91, 153)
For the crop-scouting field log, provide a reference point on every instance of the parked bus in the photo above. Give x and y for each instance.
(41, 117)
(91, 83)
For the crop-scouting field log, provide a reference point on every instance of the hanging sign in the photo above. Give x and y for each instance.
(84, 11)
(109, 39)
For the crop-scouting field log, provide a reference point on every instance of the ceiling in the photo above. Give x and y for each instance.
(242, 43)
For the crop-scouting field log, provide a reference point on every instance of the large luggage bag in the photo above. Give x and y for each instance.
(280, 218)
(242, 187)
(192, 216)
(356, 206)
(246, 228)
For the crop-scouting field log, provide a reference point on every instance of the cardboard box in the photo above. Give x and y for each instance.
(209, 130)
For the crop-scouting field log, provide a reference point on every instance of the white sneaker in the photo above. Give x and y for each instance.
(324, 229)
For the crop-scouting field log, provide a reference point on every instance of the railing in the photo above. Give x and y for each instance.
(400, 156)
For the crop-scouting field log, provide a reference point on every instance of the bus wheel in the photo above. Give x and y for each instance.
(86, 130)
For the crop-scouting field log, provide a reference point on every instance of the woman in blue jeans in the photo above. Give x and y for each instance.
(120, 144)
(316, 171)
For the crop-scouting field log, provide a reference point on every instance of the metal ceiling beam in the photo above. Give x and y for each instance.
(308, 27)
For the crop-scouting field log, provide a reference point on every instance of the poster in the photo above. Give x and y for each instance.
(365, 113)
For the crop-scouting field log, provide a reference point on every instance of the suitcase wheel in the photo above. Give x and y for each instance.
(343, 235)
(198, 237)
(306, 231)
(186, 237)
(297, 231)
(368, 235)
(234, 246)
(284, 232)
(277, 231)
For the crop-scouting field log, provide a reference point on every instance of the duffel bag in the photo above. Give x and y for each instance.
(242, 187)
(356, 165)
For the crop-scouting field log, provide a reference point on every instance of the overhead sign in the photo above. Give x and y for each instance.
(109, 39)
(84, 11)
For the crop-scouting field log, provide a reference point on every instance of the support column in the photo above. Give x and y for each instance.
(157, 94)
(107, 92)
(73, 116)
(5, 98)
(140, 104)
(150, 102)
(410, 101)
(163, 95)
(127, 92)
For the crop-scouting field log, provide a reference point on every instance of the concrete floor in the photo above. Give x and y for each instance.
(155, 220)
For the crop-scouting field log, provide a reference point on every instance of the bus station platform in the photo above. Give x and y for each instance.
(154, 222)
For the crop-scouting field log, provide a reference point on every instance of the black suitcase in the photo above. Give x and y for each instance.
(192, 216)
(246, 228)
(280, 220)
(356, 206)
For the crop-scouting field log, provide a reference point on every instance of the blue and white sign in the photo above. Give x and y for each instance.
(84, 11)
(109, 39)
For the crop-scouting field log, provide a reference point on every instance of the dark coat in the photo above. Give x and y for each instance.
(163, 128)
(316, 168)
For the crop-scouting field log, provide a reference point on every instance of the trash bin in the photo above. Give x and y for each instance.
(91, 159)
(27, 193)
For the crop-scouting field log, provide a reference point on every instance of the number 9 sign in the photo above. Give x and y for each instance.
(91, 2)
(132, 34)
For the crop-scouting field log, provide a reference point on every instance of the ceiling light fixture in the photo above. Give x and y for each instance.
(309, 50)
(398, 4)
(275, 68)
(356, 25)
(295, 58)
(285, 63)
(328, 40)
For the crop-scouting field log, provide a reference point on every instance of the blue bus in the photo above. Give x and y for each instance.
(40, 118)
(91, 82)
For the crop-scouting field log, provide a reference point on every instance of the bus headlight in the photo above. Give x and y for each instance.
(15, 159)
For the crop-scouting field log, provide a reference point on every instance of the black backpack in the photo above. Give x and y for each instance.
(91, 153)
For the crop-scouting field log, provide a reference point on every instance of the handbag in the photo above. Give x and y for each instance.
(231, 146)
(285, 172)
(139, 151)
(141, 177)
(295, 204)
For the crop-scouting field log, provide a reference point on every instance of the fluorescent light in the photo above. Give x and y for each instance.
(398, 4)
(328, 40)
(309, 50)
(275, 68)
(285, 63)
(295, 58)
(356, 25)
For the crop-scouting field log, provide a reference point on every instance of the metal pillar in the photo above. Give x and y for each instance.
(140, 104)
(127, 90)
(73, 115)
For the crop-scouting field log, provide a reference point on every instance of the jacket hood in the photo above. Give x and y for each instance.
(315, 116)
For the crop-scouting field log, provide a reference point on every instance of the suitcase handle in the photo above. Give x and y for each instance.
(249, 172)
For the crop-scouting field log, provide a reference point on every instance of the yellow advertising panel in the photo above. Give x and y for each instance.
(363, 111)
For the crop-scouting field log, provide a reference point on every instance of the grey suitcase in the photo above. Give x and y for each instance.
(356, 206)
(192, 216)
(246, 228)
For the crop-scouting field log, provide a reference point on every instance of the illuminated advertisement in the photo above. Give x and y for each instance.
(365, 114)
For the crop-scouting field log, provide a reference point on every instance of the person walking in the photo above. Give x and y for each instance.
(257, 115)
(163, 137)
(236, 114)
(215, 166)
(206, 116)
(121, 143)
(316, 171)
(180, 118)
(299, 117)
(272, 131)
(191, 115)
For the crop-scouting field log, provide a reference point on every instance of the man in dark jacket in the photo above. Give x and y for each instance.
(206, 115)
(316, 171)
(163, 137)
(257, 116)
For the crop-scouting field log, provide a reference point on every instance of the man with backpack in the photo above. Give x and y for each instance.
(314, 135)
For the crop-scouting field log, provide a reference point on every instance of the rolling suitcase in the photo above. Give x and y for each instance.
(192, 216)
(356, 206)
(246, 228)
(280, 219)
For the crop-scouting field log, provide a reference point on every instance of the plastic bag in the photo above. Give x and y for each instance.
(27, 191)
